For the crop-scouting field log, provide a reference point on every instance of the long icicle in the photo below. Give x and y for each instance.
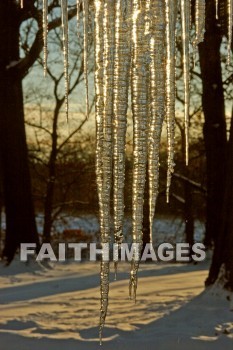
(216, 9)
(171, 14)
(108, 72)
(140, 67)
(230, 14)
(45, 34)
(199, 23)
(99, 48)
(78, 15)
(157, 97)
(185, 25)
(120, 106)
(85, 49)
(65, 38)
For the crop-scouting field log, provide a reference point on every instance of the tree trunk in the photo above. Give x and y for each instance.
(20, 218)
(48, 205)
(224, 245)
(188, 204)
(215, 125)
(227, 215)
(188, 215)
(219, 152)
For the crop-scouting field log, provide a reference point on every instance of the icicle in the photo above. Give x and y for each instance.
(199, 23)
(171, 13)
(65, 36)
(230, 14)
(85, 48)
(78, 15)
(108, 73)
(120, 106)
(185, 21)
(104, 290)
(140, 68)
(45, 33)
(216, 9)
(99, 48)
(157, 96)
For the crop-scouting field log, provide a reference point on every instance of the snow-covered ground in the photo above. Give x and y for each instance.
(57, 309)
(165, 229)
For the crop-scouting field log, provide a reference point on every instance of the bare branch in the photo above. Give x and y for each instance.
(178, 198)
(22, 67)
(74, 131)
(38, 126)
(191, 182)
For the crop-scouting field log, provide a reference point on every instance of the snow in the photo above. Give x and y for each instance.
(57, 307)
(165, 228)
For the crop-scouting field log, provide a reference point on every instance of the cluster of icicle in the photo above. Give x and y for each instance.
(134, 54)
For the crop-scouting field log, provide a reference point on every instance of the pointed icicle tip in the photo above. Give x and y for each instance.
(100, 335)
(216, 9)
(185, 25)
(133, 286)
(65, 37)
(85, 4)
(230, 23)
(45, 35)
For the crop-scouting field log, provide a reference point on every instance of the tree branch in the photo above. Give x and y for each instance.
(38, 127)
(23, 65)
(191, 182)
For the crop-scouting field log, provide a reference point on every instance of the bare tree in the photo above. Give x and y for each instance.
(51, 129)
(20, 218)
(218, 146)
